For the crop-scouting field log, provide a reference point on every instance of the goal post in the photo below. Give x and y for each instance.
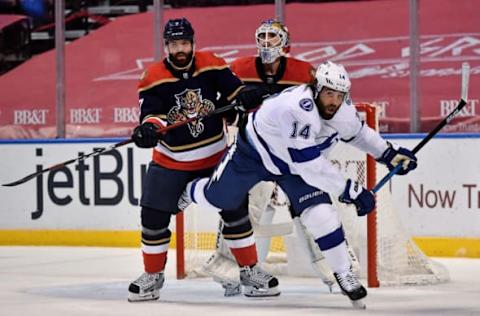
(371, 119)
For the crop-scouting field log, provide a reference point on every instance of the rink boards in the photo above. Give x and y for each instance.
(95, 202)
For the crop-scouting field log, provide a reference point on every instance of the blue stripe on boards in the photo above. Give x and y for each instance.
(422, 135)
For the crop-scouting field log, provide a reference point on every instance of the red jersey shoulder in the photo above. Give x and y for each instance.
(155, 74)
(299, 71)
(205, 60)
(245, 67)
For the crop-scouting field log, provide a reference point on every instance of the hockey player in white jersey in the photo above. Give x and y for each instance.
(287, 140)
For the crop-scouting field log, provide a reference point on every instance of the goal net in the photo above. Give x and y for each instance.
(386, 253)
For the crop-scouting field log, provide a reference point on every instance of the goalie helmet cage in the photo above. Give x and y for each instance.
(387, 253)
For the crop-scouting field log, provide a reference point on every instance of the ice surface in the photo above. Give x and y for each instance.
(93, 281)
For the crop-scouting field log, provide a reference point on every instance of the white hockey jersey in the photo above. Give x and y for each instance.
(291, 137)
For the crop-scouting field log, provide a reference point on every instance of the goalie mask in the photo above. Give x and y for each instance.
(272, 40)
(333, 76)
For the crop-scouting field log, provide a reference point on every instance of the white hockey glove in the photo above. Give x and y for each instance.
(363, 199)
(395, 155)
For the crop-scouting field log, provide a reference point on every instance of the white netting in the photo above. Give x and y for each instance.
(399, 259)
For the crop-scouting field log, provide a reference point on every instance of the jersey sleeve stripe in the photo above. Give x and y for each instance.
(305, 154)
(310, 153)
(251, 79)
(200, 164)
(196, 73)
(234, 93)
(156, 83)
(191, 146)
(155, 120)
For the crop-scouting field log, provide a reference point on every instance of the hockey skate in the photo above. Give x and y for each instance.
(146, 287)
(231, 287)
(224, 270)
(258, 283)
(351, 286)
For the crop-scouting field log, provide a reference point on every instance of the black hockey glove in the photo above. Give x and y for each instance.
(145, 135)
(250, 99)
(363, 199)
(395, 155)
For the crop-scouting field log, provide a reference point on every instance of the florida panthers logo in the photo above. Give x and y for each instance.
(190, 104)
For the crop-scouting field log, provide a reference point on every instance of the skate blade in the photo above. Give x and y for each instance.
(232, 292)
(134, 298)
(231, 287)
(358, 304)
(252, 292)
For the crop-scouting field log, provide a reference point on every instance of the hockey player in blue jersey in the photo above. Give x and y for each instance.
(287, 140)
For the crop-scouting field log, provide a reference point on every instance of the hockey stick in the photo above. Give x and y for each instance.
(432, 133)
(100, 151)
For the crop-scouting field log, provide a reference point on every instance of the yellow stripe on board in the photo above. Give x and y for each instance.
(449, 247)
(432, 246)
(98, 238)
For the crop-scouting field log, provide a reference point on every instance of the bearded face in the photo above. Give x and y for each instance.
(328, 102)
(180, 52)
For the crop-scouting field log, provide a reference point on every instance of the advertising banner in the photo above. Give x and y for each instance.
(370, 38)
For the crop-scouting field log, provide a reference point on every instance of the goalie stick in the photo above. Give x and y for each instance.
(100, 151)
(432, 133)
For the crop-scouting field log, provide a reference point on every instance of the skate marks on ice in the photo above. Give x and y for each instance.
(75, 279)
(298, 295)
(205, 293)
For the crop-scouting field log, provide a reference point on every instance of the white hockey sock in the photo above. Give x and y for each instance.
(322, 220)
(337, 258)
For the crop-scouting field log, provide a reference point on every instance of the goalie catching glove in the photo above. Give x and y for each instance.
(395, 155)
(363, 199)
(146, 135)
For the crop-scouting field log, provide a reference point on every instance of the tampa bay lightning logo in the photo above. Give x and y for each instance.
(306, 104)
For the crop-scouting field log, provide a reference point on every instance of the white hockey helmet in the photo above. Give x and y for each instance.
(333, 76)
(272, 40)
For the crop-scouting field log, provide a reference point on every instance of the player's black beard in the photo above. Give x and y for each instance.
(323, 113)
(180, 64)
